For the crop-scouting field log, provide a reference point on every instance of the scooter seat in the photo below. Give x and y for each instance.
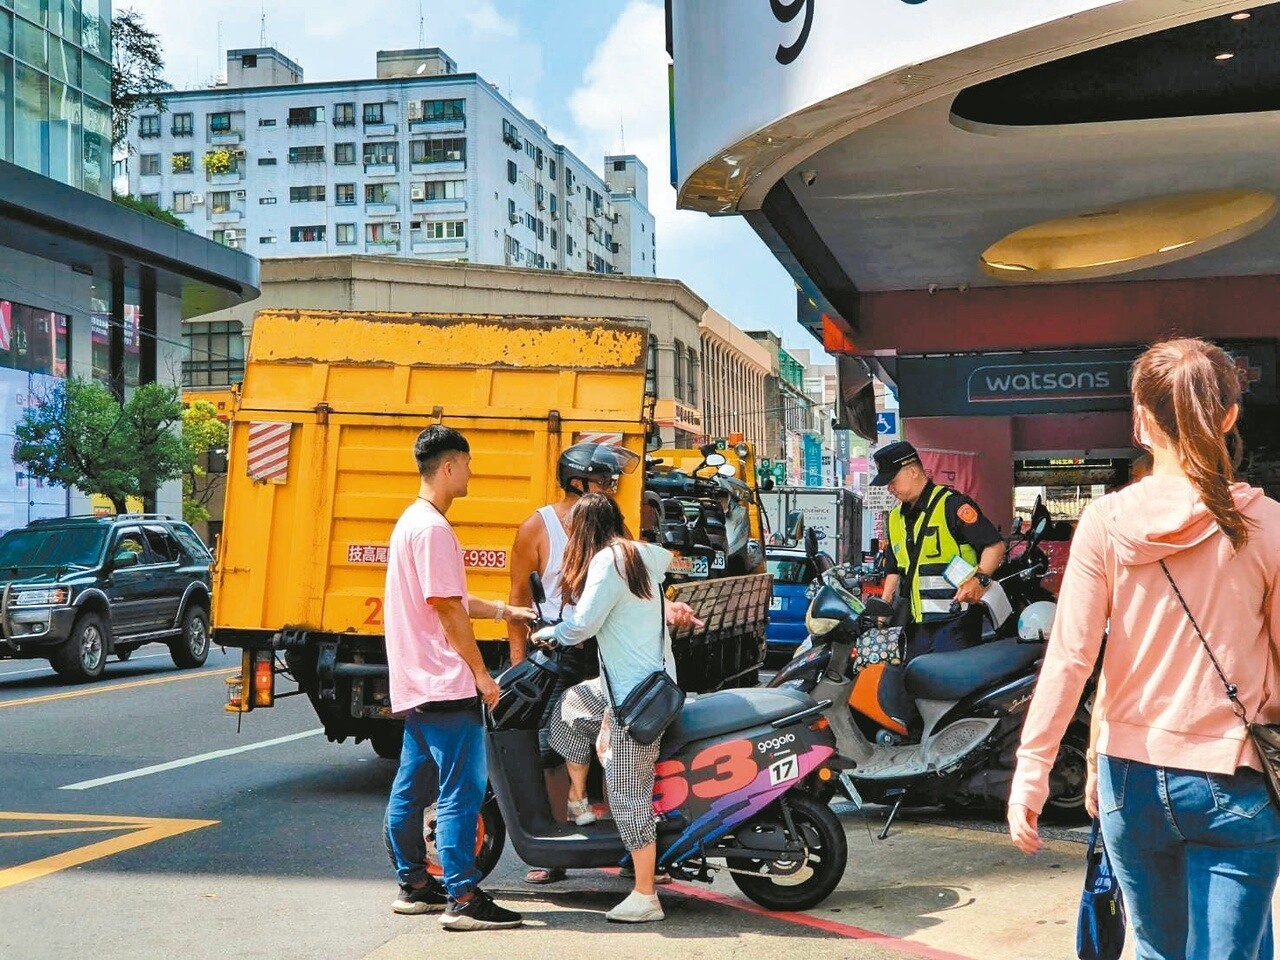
(727, 710)
(960, 673)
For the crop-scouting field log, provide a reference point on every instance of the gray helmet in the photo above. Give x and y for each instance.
(593, 461)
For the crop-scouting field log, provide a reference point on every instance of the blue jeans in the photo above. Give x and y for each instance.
(1197, 856)
(451, 742)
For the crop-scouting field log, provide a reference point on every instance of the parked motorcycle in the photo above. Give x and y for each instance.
(971, 702)
(728, 793)
(702, 516)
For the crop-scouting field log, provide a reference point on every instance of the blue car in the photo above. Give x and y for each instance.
(793, 571)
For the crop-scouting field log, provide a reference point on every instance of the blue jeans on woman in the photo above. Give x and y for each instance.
(451, 741)
(1197, 856)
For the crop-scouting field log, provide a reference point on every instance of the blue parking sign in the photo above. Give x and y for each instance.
(887, 424)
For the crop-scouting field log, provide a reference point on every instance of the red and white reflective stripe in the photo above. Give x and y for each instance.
(611, 439)
(6, 324)
(269, 450)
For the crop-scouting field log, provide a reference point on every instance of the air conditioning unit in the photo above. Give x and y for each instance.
(240, 154)
(233, 243)
(231, 234)
(513, 217)
(197, 198)
(240, 194)
(417, 191)
(393, 227)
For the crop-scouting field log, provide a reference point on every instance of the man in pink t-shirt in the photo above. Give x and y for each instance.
(438, 680)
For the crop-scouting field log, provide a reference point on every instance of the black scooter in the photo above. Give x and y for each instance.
(728, 789)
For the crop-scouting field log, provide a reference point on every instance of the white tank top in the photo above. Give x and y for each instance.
(557, 538)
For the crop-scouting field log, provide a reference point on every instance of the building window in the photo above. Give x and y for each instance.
(266, 239)
(313, 234)
(266, 201)
(267, 123)
(379, 193)
(443, 150)
(446, 229)
(152, 198)
(568, 246)
(183, 124)
(344, 195)
(220, 201)
(444, 110)
(381, 233)
(513, 248)
(220, 123)
(266, 161)
(444, 190)
(619, 166)
(373, 113)
(551, 169)
(511, 135)
(376, 154)
(693, 377)
(212, 354)
(306, 154)
(249, 60)
(344, 114)
(149, 164)
(651, 368)
(346, 234)
(677, 369)
(344, 153)
(149, 126)
(306, 194)
(305, 116)
(512, 173)
(553, 238)
(182, 201)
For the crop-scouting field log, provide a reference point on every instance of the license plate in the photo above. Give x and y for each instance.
(775, 603)
(690, 566)
(718, 563)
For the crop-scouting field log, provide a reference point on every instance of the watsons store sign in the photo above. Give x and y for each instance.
(1022, 382)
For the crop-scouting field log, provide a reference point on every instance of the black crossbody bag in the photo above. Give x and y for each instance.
(1265, 736)
(655, 702)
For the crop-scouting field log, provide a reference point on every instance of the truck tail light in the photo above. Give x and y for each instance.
(264, 679)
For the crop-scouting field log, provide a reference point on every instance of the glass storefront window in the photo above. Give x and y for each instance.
(34, 10)
(97, 79)
(64, 134)
(6, 31)
(30, 118)
(95, 27)
(97, 147)
(212, 354)
(34, 340)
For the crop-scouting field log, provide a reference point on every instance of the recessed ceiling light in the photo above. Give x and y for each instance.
(1242, 15)
(1224, 56)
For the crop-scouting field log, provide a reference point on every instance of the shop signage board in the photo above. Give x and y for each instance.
(742, 65)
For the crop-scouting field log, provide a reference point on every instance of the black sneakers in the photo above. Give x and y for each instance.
(479, 913)
(428, 899)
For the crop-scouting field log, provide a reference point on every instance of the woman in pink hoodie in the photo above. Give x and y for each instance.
(1185, 812)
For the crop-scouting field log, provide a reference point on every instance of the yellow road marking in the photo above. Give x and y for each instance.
(143, 830)
(91, 691)
(60, 832)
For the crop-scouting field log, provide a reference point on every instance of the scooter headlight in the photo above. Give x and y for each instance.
(819, 626)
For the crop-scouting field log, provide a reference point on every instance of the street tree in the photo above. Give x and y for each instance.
(204, 434)
(137, 72)
(78, 435)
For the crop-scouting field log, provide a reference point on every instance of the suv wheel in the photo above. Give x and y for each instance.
(84, 654)
(192, 648)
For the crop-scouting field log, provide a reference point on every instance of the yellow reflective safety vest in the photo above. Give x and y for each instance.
(924, 552)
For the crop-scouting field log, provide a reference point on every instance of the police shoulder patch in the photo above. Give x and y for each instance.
(967, 513)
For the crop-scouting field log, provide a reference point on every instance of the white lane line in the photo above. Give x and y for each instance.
(188, 761)
(20, 673)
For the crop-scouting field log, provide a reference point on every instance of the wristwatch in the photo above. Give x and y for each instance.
(983, 580)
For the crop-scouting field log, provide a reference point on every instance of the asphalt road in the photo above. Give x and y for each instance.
(136, 821)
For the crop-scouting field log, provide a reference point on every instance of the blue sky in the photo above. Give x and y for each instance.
(590, 72)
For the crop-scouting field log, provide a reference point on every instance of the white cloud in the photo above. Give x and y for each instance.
(624, 89)
(483, 16)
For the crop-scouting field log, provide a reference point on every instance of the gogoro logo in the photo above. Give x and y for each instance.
(784, 11)
(765, 746)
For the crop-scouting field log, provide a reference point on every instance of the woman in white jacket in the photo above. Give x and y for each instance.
(612, 589)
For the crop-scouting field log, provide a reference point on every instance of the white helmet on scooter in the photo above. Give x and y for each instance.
(1035, 622)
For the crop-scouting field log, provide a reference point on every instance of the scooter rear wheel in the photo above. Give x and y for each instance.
(821, 873)
(491, 837)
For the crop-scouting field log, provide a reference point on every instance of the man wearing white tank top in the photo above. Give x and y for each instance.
(539, 546)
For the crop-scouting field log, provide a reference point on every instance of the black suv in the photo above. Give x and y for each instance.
(76, 589)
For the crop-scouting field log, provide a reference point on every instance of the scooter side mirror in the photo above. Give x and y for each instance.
(877, 607)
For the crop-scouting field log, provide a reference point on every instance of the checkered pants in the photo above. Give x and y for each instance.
(585, 724)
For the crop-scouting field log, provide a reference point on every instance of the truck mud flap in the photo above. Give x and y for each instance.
(730, 648)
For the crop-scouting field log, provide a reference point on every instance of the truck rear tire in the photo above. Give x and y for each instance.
(387, 743)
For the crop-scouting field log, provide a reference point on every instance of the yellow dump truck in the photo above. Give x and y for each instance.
(320, 466)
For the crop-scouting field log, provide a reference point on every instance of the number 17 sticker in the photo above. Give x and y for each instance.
(788, 768)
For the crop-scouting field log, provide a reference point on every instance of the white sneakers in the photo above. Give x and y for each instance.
(580, 812)
(637, 908)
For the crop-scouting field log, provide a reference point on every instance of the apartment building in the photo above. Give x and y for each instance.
(735, 369)
(419, 162)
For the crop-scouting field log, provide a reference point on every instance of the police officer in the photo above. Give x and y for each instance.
(931, 526)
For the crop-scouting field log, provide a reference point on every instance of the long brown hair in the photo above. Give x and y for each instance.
(1188, 386)
(596, 523)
